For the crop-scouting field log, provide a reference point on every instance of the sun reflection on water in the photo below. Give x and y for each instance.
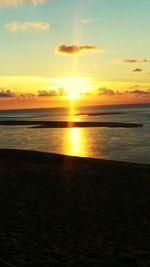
(75, 139)
(75, 142)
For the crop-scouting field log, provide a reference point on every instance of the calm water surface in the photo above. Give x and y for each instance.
(131, 144)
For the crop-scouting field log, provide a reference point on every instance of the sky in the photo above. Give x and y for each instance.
(94, 52)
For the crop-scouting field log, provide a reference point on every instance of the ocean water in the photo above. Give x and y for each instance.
(125, 144)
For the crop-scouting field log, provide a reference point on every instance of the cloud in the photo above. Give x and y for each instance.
(35, 25)
(103, 91)
(57, 92)
(137, 70)
(134, 87)
(76, 49)
(132, 91)
(47, 93)
(20, 2)
(133, 61)
(6, 93)
(106, 91)
(27, 96)
(139, 92)
(61, 91)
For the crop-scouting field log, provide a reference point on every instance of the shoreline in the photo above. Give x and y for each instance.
(33, 155)
(59, 210)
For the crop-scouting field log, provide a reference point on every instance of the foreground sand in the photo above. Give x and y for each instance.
(69, 211)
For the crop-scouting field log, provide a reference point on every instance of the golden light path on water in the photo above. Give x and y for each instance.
(75, 142)
(75, 139)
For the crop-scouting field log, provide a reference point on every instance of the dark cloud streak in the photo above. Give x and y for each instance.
(6, 93)
(76, 49)
(50, 93)
(106, 91)
(134, 61)
(110, 92)
(137, 70)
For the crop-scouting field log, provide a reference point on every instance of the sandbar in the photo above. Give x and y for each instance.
(69, 124)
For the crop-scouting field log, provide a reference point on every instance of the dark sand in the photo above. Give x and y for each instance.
(70, 124)
(68, 211)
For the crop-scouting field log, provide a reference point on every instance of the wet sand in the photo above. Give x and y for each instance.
(69, 211)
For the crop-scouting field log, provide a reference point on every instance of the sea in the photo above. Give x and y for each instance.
(121, 144)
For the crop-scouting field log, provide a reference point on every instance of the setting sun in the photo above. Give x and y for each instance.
(75, 87)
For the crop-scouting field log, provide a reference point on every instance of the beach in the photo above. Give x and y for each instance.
(60, 210)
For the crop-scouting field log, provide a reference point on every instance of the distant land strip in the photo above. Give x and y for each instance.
(70, 124)
(98, 113)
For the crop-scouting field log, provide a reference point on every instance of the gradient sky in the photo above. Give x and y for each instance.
(103, 43)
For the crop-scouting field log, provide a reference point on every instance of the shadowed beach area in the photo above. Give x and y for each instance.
(68, 211)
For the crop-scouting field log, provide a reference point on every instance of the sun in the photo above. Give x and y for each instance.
(75, 87)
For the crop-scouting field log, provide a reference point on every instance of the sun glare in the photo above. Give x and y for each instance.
(75, 87)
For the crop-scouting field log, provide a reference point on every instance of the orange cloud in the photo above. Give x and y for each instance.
(137, 70)
(76, 49)
(35, 25)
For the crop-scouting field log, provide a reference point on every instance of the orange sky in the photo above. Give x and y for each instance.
(92, 51)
